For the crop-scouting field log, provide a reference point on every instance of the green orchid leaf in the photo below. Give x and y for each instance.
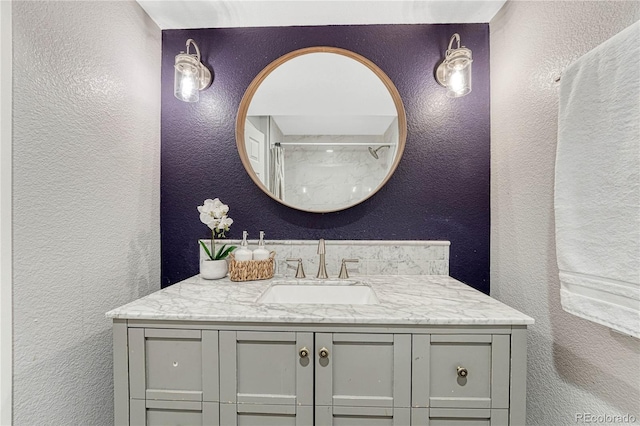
(227, 251)
(206, 250)
(223, 252)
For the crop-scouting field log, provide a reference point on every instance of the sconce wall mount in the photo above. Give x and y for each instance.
(454, 72)
(191, 75)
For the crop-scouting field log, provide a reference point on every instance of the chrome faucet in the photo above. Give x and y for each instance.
(322, 267)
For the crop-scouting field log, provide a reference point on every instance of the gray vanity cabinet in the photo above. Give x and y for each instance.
(175, 374)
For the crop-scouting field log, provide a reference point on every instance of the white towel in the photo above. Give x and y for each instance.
(597, 187)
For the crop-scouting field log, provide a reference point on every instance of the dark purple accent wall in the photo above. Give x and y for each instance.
(440, 190)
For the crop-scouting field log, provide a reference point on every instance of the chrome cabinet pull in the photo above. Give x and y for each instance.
(462, 372)
(324, 353)
(304, 352)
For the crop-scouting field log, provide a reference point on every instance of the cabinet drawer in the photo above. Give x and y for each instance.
(362, 416)
(171, 413)
(172, 364)
(265, 415)
(461, 371)
(459, 417)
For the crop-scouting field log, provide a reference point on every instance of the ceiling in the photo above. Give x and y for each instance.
(181, 14)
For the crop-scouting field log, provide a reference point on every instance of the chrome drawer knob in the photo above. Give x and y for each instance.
(304, 352)
(462, 372)
(324, 353)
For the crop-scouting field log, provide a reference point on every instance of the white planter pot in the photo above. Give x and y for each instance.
(213, 269)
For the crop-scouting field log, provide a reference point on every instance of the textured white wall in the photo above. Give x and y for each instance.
(575, 366)
(86, 197)
(6, 313)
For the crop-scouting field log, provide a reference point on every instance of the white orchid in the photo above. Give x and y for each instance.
(213, 213)
(224, 224)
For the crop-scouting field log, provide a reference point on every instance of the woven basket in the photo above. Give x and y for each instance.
(249, 270)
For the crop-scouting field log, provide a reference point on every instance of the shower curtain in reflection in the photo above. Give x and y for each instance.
(277, 172)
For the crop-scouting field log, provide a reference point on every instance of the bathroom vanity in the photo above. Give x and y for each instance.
(423, 350)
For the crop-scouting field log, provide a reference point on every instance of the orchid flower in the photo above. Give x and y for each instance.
(213, 213)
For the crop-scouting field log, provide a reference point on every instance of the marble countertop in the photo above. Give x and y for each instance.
(407, 300)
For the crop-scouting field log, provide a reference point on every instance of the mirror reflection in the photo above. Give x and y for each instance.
(321, 129)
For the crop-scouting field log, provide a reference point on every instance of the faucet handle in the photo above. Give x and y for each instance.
(321, 249)
(344, 273)
(300, 269)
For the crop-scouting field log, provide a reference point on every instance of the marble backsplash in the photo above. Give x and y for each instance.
(375, 257)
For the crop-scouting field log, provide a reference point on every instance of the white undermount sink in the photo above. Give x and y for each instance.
(325, 293)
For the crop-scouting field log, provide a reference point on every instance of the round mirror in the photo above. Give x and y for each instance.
(321, 129)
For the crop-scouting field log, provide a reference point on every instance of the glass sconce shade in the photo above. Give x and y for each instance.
(186, 82)
(190, 76)
(454, 72)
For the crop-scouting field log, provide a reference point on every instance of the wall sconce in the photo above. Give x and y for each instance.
(191, 75)
(454, 72)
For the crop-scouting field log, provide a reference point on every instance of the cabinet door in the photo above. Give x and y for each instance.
(173, 413)
(461, 371)
(363, 370)
(459, 417)
(173, 364)
(263, 377)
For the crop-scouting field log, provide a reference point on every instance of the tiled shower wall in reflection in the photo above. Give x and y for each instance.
(349, 173)
(343, 164)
